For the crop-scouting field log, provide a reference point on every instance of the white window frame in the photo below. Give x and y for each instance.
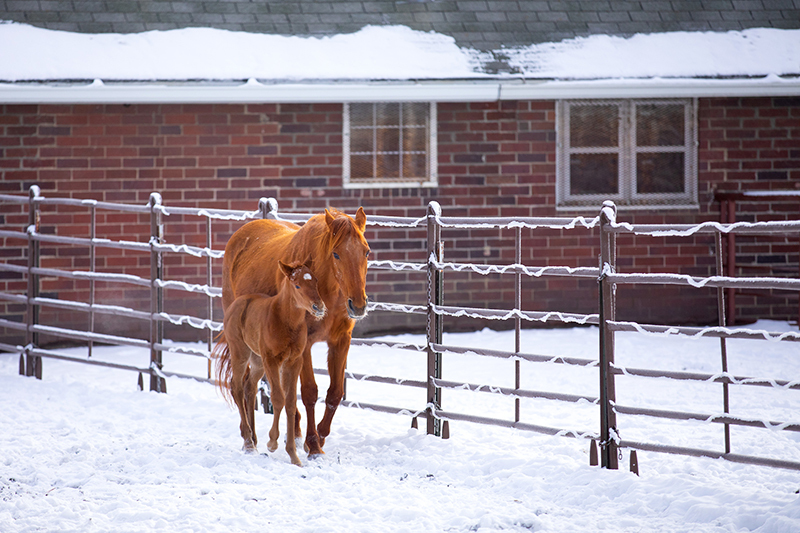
(431, 180)
(627, 197)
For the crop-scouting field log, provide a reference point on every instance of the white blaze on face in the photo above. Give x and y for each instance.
(307, 276)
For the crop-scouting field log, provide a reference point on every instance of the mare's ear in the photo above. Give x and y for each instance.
(361, 219)
(286, 269)
(309, 263)
(328, 218)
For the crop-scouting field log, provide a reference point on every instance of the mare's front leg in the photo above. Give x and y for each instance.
(309, 392)
(337, 362)
(277, 396)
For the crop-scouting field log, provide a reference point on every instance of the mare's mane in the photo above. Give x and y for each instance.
(321, 241)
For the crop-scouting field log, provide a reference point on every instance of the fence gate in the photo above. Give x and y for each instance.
(606, 277)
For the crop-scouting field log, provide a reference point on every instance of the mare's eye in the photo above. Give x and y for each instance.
(297, 286)
(335, 255)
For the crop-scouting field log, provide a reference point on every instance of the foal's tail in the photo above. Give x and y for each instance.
(224, 370)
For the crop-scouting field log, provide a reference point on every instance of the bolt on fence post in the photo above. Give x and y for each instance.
(33, 364)
(608, 418)
(156, 295)
(434, 321)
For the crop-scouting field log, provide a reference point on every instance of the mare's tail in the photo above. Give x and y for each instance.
(224, 371)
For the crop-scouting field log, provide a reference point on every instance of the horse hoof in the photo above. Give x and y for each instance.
(272, 445)
(249, 449)
(315, 455)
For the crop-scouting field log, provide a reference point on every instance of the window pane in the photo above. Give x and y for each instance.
(361, 140)
(361, 166)
(593, 174)
(387, 114)
(415, 114)
(415, 166)
(659, 173)
(659, 125)
(388, 140)
(415, 139)
(593, 126)
(361, 114)
(388, 165)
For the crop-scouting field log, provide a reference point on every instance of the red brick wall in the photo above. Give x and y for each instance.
(495, 159)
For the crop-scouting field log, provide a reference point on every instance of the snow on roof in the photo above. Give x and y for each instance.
(384, 53)
(755, 52)
(394, 52)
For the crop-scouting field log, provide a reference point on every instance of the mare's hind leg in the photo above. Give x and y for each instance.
(239, 357)
(278, 400)
(252, 378)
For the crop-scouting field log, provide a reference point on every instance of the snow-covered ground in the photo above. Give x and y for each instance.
(83, 450)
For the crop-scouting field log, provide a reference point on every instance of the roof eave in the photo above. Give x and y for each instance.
(439, 90)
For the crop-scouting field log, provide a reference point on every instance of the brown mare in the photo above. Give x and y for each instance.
(268, 334)
(335, 243)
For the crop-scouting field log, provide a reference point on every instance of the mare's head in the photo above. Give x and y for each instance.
(303, 286)
(346, 251)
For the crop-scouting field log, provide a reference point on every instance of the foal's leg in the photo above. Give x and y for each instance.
(289, 373)
(255, 372)
(277, 397)
(240, 354)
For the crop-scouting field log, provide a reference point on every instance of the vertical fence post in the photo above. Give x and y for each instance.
(92, 267)
(268, 207)
(157, 383)
(33, 363)
(608, 418)
(434, 321)
(517, 319)
(731, 266)
(723, 347)
(209, 298)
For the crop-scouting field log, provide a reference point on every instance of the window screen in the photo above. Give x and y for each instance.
(389, 143)
(635, 152)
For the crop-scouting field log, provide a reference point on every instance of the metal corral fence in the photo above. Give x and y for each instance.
(434, 222)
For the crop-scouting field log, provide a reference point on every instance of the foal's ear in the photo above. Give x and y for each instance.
(309, 264)
(361, 219)
(328, 218)
(286, 269)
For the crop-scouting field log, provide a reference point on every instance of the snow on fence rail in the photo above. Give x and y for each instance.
(437, 418)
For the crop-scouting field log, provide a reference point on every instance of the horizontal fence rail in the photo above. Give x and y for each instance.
(435, 267)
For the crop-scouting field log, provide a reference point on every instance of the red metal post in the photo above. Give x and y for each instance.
(608, 418)
(730, 214)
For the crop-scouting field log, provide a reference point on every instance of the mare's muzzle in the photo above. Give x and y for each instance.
(356, 313)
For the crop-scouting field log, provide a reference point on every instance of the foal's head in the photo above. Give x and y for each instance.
(303, 286)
